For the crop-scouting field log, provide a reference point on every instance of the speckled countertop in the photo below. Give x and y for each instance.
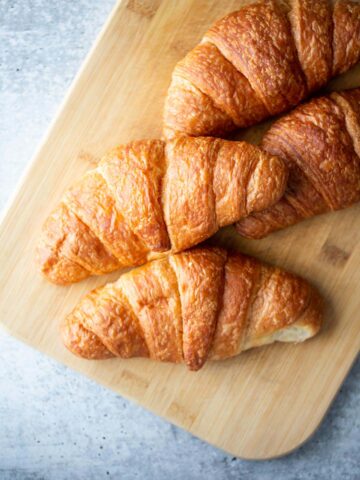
(50, 425)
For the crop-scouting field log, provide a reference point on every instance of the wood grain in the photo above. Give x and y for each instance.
(262, 404)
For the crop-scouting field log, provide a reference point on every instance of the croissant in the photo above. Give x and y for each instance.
(260, 61)
(320, 143)
(147, 198)
(188, 307)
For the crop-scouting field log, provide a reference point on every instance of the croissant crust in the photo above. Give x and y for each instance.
(148, 198)
(259, 61)
(320, 143)
(189, 307)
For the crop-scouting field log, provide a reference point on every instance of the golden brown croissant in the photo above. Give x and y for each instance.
(320, 142)
(188, 307)
(148, 197)
(260, 61)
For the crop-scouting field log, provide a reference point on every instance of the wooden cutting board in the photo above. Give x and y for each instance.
(265, 402)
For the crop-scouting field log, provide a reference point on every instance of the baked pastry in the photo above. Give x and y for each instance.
(147, 198)
(201, 304)
(320, 143)
(260, 61)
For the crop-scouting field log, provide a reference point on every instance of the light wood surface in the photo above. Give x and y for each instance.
(265, 402)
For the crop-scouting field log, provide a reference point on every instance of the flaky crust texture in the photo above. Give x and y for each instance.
(148, 198)
(189, 307)
(260, 61)
(320, 143)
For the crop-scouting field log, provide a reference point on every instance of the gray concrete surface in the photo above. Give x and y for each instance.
(54, 424)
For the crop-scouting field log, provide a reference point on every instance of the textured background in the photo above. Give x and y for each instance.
(55, 424)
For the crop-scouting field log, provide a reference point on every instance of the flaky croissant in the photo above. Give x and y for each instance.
(188, 307)
(260, 61)
(320, 142)
(147, 198)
